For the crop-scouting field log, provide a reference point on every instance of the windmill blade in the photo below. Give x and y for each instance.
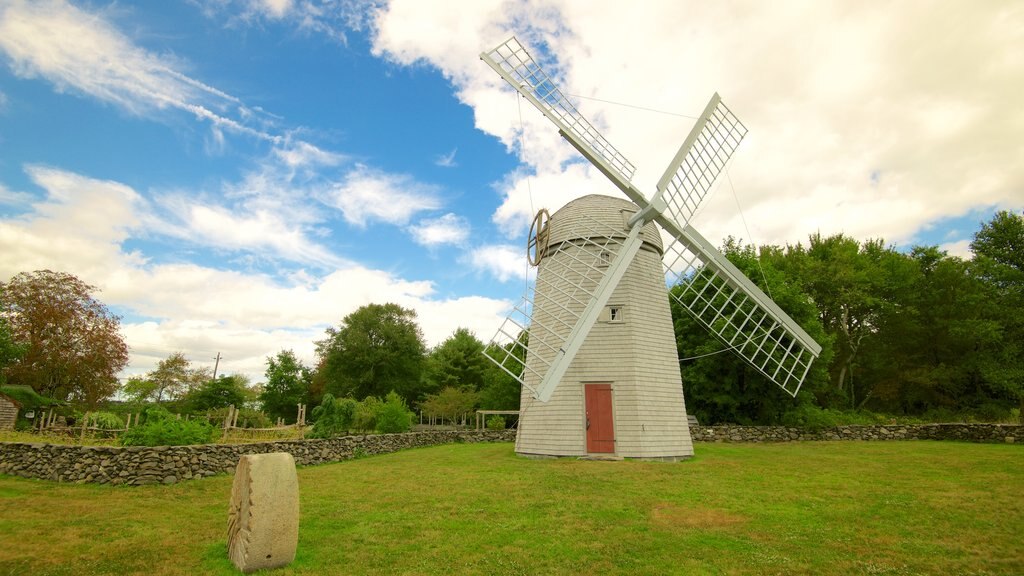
(700, 159)
(513, 63)
(534, 337)
(736, 311)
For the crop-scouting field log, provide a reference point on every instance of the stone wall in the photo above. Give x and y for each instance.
(1008, 433)
(171, 464)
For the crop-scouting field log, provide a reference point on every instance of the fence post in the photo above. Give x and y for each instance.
(227, 420)
(85, 422)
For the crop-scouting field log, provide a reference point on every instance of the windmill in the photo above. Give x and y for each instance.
(592, 342)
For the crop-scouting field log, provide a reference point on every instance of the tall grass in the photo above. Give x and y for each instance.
(803, 508)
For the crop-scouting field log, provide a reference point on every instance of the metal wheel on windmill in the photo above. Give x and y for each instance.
(592, 342)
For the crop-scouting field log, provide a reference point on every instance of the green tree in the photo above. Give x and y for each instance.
(451, 403)
(393, 415)
(377, 349)
(10, 351)
(216, 393)
(719, 385)
(998, 248)
(457, 362)
(501, 390)
(854, 285)
(73, 345)
(1001, 242)
(173, 378)
(333, 417)
(286, 386)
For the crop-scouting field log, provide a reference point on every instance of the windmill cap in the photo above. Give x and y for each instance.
(596, 214)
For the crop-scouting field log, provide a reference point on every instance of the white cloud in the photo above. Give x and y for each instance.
(81, 51)
(448, 229)
(367, 195)
(11, 198)
(960, 248)
(83, 224)
(447, 160)
(503, 261)
(833, 93)
(328, 17)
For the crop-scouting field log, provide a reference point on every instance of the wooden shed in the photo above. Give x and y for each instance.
(8, 411)
(622, 395)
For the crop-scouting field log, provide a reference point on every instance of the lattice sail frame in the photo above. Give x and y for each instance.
(713, 291)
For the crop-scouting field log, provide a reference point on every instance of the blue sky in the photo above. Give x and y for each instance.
(235, 176)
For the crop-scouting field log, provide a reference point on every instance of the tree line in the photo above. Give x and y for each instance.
(921, 334)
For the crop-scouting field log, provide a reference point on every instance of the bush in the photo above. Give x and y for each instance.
(104, 420)
(496, 422)
(333, 417)
(393, 416)
(815, 418)
(160, 428)
(247, 418)
(365, 418)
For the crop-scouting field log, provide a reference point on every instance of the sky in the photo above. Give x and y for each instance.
(236, 176)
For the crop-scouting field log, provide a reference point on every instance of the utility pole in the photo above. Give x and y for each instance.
(215, 366)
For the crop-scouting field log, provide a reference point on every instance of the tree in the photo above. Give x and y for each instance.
(10, 351)
(393, 415)
(458, 361)
(501, 390)
(1001, 240)
(74, 348)
(377, 349)
(220, 393)
(173, 378)
(286, 387)
(719, 385)
(451, 403)
(333, 417)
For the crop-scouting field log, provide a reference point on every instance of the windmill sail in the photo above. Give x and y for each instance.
(713, 290)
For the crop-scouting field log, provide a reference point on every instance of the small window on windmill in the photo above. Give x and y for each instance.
(612, 314)
(604, 258)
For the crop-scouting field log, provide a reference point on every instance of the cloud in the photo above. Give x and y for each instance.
(81, 51)
(331, 18)
(448, 229)
(365, 195)
(447, 160)
(960, 248)
(873, 121)
(503, 261)
(11, 198)
(84, 227)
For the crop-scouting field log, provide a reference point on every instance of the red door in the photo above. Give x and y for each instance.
(600, 423)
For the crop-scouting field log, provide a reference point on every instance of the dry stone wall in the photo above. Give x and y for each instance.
(137, 465)
(1008, 433)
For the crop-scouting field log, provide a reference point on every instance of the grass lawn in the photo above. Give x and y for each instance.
(803, 508)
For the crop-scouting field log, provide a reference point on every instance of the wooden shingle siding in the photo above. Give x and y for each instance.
(637, 356)
(8, 412)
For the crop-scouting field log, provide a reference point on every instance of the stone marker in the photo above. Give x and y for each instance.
(263, 521)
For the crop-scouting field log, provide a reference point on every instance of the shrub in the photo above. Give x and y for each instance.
(393, 415)
(104, 420)
(496, 422)
(160, 428)
(333, 417)
(247, 418)
(815, 418)
(365, 418)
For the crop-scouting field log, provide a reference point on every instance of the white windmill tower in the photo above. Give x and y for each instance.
(592, 343)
